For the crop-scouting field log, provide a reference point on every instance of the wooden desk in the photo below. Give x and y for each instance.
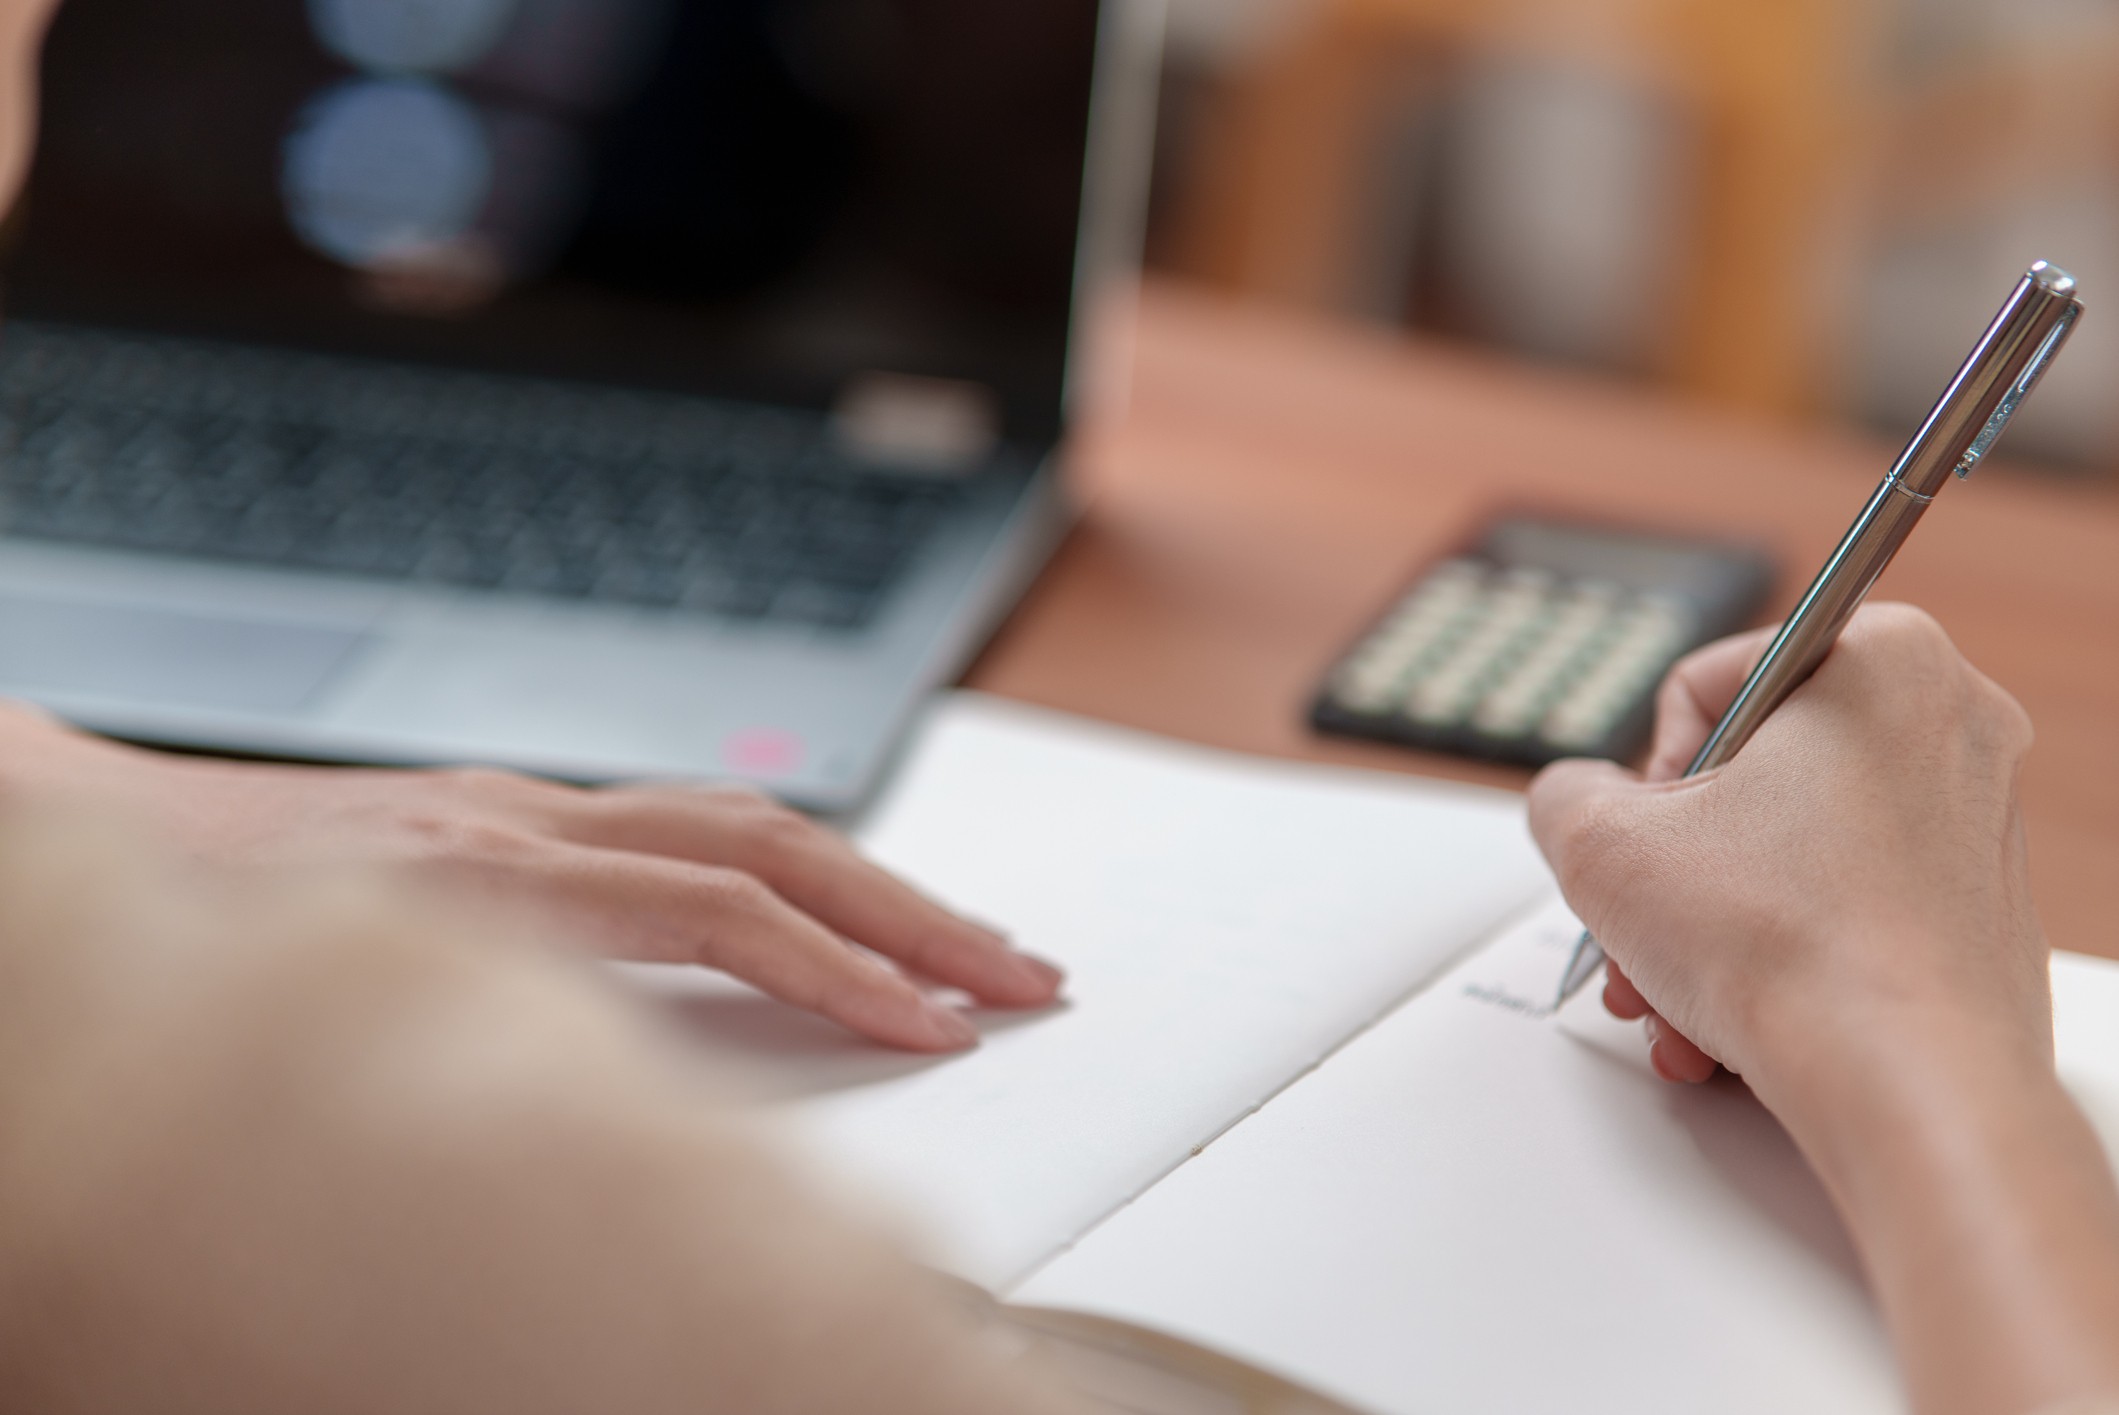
(1278, 476)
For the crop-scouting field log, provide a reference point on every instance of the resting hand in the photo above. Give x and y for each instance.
(1858, 869)
(659, 873)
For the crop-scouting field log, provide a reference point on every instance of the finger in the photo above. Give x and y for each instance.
(1670, 1052)
(820, 872)
(660, 910)
(1695, 693)
(1674, 1056)
(1621, 998)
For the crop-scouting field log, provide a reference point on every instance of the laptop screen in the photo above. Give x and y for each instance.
(789, 201)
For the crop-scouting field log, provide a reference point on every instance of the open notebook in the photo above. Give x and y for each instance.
(1305, 1107)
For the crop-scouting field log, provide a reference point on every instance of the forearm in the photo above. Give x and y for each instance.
(280, 1145)
(45, 763)
(1984, 1209)
(23, 728)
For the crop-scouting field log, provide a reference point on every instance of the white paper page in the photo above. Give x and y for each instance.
(1476, 1208)
(2086, 1038)
(1225, 922)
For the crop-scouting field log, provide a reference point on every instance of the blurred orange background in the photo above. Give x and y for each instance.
(1802, 208)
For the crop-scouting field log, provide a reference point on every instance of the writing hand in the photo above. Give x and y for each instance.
(1842, 914)
(1860, 863)
(723, 878)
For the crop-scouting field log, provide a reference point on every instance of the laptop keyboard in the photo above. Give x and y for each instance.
(311, 462)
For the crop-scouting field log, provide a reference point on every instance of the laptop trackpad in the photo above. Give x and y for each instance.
(163, 656)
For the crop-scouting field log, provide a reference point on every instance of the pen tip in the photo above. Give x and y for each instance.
(1581, 967)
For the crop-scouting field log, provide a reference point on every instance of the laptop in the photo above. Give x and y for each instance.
(604, 388)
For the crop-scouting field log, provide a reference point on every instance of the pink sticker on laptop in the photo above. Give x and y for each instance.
(762, 751)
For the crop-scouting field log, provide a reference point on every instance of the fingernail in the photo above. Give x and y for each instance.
(1656, 1063)
(1037, 971)
(952, 1029)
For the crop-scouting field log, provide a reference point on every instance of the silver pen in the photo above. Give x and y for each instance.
(2000, 373)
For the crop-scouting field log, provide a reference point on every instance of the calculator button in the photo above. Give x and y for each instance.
(1515, 612)
(1647, 636)
(1374, 677)
(1370, 685)
(1526, 692)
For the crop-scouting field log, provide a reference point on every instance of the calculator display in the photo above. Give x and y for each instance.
(1548, 640)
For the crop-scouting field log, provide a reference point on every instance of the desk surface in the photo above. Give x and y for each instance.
(1275, 478)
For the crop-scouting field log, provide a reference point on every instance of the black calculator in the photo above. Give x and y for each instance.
(1546, 639)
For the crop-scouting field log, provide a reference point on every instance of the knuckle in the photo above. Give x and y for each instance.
(783, 824)
(745, 803)
(2022, 731)
(847, 984)
(2002, 716)
(738, 895)
(476, 780)
(491, 786)
(469, 840)
(1909, 630)
(1905, 673)
(771, 826)
(741, 800)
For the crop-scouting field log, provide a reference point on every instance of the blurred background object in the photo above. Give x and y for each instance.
(1799, 208)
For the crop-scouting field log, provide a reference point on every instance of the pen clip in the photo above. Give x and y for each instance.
(1995, 378)
(2020, 390)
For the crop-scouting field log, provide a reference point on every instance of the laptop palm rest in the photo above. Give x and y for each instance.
(156, 655)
